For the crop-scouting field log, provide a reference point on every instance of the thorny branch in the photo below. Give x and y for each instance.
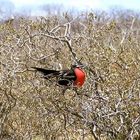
(66, 38)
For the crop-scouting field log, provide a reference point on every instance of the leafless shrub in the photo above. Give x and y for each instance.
(107, 107)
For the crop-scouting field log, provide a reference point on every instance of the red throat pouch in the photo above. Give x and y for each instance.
(80, 77)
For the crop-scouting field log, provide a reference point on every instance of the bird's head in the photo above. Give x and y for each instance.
(78, 65)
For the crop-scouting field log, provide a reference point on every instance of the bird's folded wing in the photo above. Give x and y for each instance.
(64, 82)
(69, 76)
(45, 71)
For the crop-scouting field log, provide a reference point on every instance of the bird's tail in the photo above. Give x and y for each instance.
(47, 73)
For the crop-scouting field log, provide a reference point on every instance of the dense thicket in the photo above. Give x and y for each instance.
(108, 105)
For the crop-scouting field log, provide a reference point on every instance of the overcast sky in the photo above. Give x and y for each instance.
(34, 5)
(134, 4)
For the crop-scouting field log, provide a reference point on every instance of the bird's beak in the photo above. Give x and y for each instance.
(81, 65)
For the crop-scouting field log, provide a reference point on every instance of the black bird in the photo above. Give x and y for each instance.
(74, 76)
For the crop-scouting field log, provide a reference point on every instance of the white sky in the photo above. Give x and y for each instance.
(134, 4)
(33, 5)
(69, 3)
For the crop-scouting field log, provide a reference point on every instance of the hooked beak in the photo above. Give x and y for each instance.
(80, 65)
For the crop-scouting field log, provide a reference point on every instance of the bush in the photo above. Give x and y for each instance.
(106, 107)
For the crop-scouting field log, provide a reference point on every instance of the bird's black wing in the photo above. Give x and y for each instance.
(69, 75)
(64, 82)
(47, 72)
(66, 77)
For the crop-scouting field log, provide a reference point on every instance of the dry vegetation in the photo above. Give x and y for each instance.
(108, 105)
